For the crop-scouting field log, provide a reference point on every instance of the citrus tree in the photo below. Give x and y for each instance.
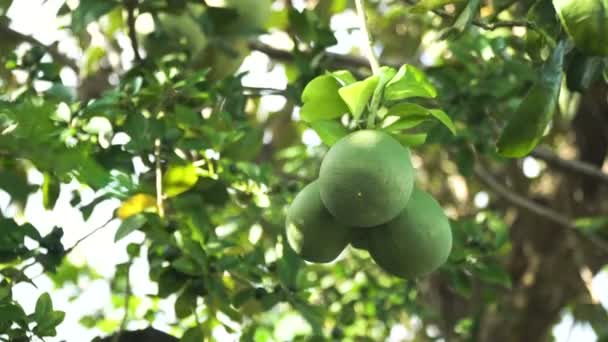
(306, 171)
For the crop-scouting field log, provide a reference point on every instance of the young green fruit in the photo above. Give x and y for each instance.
(311, 231)
(366, 178)
(416, 242)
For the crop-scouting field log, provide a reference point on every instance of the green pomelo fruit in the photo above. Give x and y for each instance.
(359, 238)
(416, 242)
(586, 21)
(311, 231)
(366, 178)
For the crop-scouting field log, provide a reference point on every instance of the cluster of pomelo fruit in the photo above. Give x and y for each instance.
(365, 196)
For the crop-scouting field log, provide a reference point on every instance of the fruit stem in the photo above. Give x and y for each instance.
(373, 62)
(375, 103)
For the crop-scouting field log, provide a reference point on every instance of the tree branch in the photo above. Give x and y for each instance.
(575, 166)
(520, 201)
(544, 154)
(7, 32)
(373, 61)
(488, 26)
(336, 59)
(524, 203)
(130, 5)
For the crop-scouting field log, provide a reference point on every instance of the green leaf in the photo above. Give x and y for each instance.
(313, 314)
(50, 191)
(187, 116)
(247, 147)
(44, 307)
(357, 95)
(12, 313)
(329, 131)
(410, 140)
(407, 109)
(187, 265)
(289, 266)
(416, 111)
(47, 327)
(322, 100)
(466, 16)
(494, 273)
(129, 225)
(408, 82)
(527, 126)
(185, 304)
(586, 23)
(179, 179)
(344, 77)
(404, 123)
(89, 11)
(444, 119)
(243, 296)
(195, 334)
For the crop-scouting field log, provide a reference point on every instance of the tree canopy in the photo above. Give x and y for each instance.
(186, 129)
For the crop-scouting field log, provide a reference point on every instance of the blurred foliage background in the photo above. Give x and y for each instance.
(162, 129)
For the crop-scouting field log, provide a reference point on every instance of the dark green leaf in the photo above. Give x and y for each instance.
(187, 265)
(246, 148)
(195, 334)
(586, 22)
(44, 308)
(89, 11)
(50, 191)
(185, 304)
(494, 273)
(464, 19)
(129, 225)
(12, 313)
(527, 126)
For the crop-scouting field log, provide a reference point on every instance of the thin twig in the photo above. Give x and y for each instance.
(369, 50)
(575, 166)
(8, 33)
(67, 251)
(159, 179)
(130, 5)
(524, 203)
